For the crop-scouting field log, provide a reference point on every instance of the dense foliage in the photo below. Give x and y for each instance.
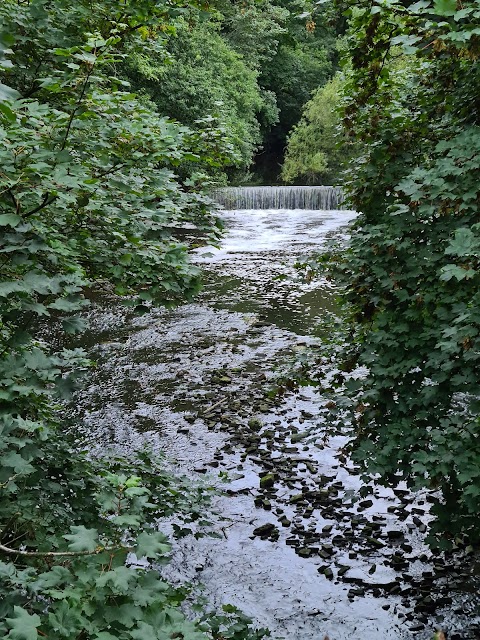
(315, 154)
(89, 196)
(199, 74)
(412, 103)
(254, 66)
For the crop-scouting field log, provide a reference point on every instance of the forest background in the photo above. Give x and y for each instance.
(116, 119)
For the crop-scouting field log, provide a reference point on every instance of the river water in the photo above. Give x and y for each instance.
(299, 551)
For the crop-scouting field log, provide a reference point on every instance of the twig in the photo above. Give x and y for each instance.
(54, 554)
(214, 406)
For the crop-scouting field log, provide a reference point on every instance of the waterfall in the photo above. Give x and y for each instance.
(279, 197)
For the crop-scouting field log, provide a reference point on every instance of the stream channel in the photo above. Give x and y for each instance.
(300, 552)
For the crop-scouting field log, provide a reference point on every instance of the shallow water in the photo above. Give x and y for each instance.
(191, 382)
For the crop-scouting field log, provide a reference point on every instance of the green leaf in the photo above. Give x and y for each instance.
(453, 271)
(9, 219)
(445, 7)
(23, 626)
(16, 462)
(74, 325)
(151, 545)
(66, 620)
(82, 539)
(119, 579)
(9, 115)
(7, 93)
(465, 243)
(144, 632)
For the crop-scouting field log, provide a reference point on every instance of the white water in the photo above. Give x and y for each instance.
(309, 198)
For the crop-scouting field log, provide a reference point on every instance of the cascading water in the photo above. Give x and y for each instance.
(311, 198)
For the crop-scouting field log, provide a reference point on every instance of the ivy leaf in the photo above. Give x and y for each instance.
(9, 219)
(82, 539)
(23, 626)
(144, 632)
(445, 7)
(454, 271)
(151, 545)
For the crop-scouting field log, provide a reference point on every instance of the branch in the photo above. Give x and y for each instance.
(77, 106)
(44, 204)
(16, 203)
(56, 554)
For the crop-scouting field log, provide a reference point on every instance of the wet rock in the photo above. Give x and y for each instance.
(306, 552)
(395, 535)
(265, 530)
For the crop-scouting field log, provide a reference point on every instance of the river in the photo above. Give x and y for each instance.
(300, 551)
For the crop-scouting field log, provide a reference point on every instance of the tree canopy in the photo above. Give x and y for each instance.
(315, 154)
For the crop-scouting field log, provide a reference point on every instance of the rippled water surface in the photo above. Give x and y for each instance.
(193, 383)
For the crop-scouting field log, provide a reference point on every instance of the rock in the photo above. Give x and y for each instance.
(305, 552)
(395, 535)
(298, 437)
(267, 481)
(376, 543)
(365, 504)
(284, 521)
(265, 530)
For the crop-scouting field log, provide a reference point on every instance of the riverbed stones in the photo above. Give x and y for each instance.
(265, 530)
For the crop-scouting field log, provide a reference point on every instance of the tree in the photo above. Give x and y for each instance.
(198, 74)
(413, 267)
(314, 153)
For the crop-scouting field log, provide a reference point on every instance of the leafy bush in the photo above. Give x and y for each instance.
(413, 267)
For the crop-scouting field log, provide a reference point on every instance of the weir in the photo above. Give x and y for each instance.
(300, 197)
